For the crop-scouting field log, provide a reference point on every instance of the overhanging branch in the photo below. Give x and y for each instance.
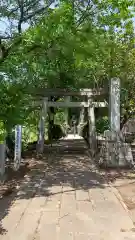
(38, 11)
(6, 51)
(2, 37)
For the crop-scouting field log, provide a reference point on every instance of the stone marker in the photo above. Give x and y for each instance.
(2, 161)
(92, 130)
(115, 105)
(115, 152)
(18, 146)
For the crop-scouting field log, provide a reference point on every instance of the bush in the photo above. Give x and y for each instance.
(102, 124)
(55, 132)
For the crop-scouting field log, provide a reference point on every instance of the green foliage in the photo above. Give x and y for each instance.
(78, 44)
(102, 124)
(2, 132)
(55, 132)
(29, 134)
(59, 117)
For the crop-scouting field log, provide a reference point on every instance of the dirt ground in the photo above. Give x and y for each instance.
(124, 181)
(13, 178)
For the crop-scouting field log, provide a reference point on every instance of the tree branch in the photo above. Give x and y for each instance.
(31, 4)
(13, 11)
(21, 7)
(2, 37)
(126, 117)
(5, 52)
(38, 11)
(128, 112)
(84, 14)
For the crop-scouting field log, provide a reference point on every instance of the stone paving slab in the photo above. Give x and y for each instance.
(72, 202)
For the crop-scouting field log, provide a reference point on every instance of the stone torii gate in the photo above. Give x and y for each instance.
(67, 103)
(112, 136)
(117, 152)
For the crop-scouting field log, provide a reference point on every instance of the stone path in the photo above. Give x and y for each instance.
(65, 198)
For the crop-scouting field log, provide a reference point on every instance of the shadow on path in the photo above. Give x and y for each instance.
(66, 163)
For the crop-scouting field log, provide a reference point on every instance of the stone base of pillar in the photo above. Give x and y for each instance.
(92, 145)
(80, 128)
(65, 128)
(115, 152)
(125, 155)
(40, 147)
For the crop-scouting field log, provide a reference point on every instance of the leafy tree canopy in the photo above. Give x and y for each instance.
(68, 44)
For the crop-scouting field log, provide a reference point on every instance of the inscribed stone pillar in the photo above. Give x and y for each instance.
(115, 105)
(114, 108)
(92, 130)
(18, 146)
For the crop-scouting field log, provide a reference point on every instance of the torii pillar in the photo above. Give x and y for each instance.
(41, 138)
(92, 128)
(66, 112)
